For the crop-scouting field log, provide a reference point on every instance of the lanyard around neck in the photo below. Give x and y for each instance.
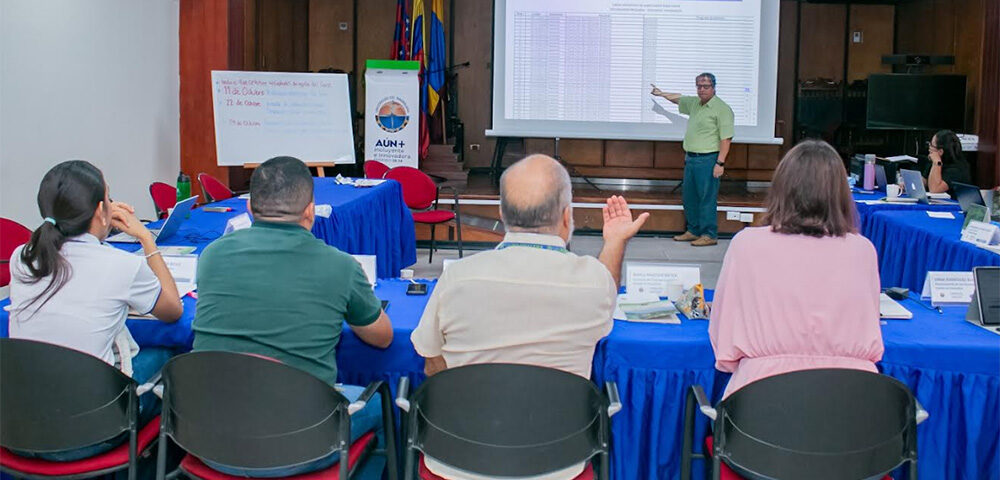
(540, 246)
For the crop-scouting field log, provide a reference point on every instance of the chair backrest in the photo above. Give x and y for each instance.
(508, 420)
(213, 188)
(164, 197)
(818, 424)
(12, 235)
(53, 398)
(250, 412)
(419, 191)
(375, 169)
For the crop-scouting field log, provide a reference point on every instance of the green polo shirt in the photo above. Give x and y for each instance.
(276, 290)
(708, 124)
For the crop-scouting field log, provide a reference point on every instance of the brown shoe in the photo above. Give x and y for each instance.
(685, 237)
(704, 241)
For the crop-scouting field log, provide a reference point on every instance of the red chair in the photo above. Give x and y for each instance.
(164, 197)
(12, 235)
(375, 169)
(214, 189)
(421, 194)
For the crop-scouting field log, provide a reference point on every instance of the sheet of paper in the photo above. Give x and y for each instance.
(948, 215)
(645, 308)
(171, 250)
(901, 158)
(238, 222)
(939, 196)
(889, 308)
(368, 182)
(369, 263)
(183, 268)
(656, 278)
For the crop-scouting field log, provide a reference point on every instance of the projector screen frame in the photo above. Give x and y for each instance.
(767, 99)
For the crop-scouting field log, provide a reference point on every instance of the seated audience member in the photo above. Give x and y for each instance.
(530, 300)
(947, 164)
(277, 291)
(802, 291)
(70, 289)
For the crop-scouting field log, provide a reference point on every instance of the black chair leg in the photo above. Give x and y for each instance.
(913, 469)
(430, 257)
(716, 467)
(605, 466)
(161, 456)
(389, 427)
(688, 439)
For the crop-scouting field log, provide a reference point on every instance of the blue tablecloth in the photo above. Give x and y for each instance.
(865, 209)
(910, 244)
(365, 221)
(952, 366)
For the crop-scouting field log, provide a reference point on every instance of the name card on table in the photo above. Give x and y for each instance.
(369, 264)
(660, 278)
(238, 222)
(948, 288)
(981, 233)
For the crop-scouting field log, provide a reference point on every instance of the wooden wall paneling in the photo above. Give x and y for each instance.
(668, 155)
(329, 46)
(283, 35)
(540, 145)
(203, 46)
(627, 172)
(763, 157)
(969, 24)
(581, 152)
(988, 158)
(737, 158)
(474, 44)
(876, 24)
(787, 49)
(821, 47)
(623, 153)
(376, 23)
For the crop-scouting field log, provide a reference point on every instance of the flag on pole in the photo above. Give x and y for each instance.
(419, 53)
(435, 56)
(401, 37)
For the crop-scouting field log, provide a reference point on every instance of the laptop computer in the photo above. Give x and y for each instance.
(967, 195)
(985, 306)
(170, 226)
(881, 180)
(914, 183)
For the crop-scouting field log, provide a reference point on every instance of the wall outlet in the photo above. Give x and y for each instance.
(733, 215)
(474, 147)
(343, 26)
(858, 37)
(746, 217)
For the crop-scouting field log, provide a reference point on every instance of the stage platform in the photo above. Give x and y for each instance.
(480, 201)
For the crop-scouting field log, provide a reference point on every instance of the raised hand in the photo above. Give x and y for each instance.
(618, 223)
(656, 91)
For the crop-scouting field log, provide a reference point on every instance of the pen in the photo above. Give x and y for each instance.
(218, 209)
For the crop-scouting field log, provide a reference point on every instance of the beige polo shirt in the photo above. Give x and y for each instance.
(529, 301)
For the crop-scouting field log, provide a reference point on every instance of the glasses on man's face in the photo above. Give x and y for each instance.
(703, 87)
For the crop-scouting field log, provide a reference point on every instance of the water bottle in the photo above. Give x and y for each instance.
(869, 172)
(183, 186)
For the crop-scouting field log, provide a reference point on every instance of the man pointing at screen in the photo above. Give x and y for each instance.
(706, 146)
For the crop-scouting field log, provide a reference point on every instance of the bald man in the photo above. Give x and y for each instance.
(530, 300)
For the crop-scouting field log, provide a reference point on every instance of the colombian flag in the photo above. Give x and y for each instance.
(435, 56)
(419, 54)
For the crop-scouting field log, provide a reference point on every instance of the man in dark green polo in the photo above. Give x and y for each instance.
(276, 290)
(706, 146)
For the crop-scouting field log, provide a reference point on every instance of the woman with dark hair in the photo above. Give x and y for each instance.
(802, 290)
(948, 165)
(69, 288)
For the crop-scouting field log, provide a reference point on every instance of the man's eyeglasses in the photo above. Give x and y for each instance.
(703, 87)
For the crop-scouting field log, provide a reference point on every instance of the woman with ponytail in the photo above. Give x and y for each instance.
(947, 164)
(69, 288)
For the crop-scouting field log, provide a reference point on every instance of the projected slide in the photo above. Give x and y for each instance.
(583, 68)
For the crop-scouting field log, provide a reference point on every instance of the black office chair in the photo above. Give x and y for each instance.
(54, 399)
(252, 412)
(817, 424)
(508, 420)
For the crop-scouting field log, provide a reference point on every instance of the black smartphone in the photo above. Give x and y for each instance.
(416, 289)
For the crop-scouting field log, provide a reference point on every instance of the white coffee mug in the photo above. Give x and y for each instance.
(892, 191)
(675, 291)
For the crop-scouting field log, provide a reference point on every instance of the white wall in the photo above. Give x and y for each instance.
(95, 80)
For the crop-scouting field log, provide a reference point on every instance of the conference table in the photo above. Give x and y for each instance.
(869, 203)
(363, 221)
(910, 243)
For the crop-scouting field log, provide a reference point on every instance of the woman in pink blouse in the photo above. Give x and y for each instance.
(802, 291)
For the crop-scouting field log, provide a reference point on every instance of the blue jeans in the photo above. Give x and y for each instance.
(701, 194)
(145, 364)
(362, 422)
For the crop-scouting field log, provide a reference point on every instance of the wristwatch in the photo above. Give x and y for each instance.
(938, 163)
(721, 164)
